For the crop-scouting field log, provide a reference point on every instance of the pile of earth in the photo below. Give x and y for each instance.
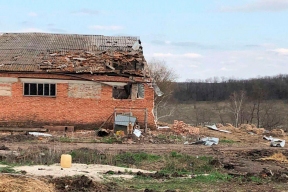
(79, 184)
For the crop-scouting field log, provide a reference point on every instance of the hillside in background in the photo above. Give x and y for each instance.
(260, 101)
(269, 88)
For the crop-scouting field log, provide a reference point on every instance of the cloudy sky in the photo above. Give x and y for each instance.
(199, 39)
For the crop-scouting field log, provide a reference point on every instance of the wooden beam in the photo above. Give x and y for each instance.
(12, 129)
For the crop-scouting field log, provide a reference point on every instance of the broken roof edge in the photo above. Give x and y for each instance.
(47, 33)
(93, 77)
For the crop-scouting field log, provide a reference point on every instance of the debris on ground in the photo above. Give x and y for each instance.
(214, 127)
(120, 133)
(274, 141)
(208, 141)
(163, 127)
(182, 128)
(10, 183)
(37, 134)
(137, 132)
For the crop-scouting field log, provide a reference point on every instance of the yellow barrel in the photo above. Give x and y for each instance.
(66, 161)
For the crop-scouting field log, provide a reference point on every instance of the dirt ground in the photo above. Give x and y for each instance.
(241, 152)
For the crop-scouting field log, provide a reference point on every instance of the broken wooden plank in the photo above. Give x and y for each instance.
(17, 129)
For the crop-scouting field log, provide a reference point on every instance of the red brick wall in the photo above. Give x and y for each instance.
(64, 110)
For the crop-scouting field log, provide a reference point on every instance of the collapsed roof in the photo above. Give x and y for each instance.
(70, 53)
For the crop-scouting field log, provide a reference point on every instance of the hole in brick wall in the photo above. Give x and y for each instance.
(122, 92)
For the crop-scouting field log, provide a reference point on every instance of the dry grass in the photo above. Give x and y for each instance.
(279, 157)
(19, 183)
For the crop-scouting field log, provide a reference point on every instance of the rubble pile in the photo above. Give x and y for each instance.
(131, 62)
(182, 128)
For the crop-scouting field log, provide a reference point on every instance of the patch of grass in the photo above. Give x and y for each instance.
(65, 140)
(135, 158)
(109, 140)
(7, 170)
(178, 137)
(212, 177)
(255, 179)
(162, 136)
(186, 164)
(226, 141)
(175, 154)
(182, 184)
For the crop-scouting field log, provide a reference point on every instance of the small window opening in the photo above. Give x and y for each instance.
(122, 92)
(39, 89)
(140, 91)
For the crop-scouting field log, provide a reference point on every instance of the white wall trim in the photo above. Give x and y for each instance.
(8, 79)
(31, 80)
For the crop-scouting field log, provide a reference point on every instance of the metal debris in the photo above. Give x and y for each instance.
(208, 141)
(213, 127)
(137, 132)
(40, 134)
(275, 142)
(163, 127)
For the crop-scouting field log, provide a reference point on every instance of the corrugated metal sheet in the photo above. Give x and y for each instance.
(124, 120)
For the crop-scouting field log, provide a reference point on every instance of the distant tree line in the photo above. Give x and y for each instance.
(216, 89)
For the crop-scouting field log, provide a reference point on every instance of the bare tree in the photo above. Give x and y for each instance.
(165, 78)
(236, 104)
(271, 116)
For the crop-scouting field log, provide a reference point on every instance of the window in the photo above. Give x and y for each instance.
(121, 92)
(140, 91)
(129, 91)
(40, 89)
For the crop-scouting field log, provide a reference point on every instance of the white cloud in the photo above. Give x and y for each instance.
(281, 51)
(187, 55)
(259, 5)
(163, 55)
(103, 27)
(192, 55)
(86, 12)
(33, 14)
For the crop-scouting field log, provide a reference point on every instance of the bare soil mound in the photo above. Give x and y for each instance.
(79, 184)
(11, 183)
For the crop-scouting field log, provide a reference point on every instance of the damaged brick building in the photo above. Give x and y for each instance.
(67, 79)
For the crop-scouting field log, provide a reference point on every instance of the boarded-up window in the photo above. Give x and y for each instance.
(5, 89)
(82, 90)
